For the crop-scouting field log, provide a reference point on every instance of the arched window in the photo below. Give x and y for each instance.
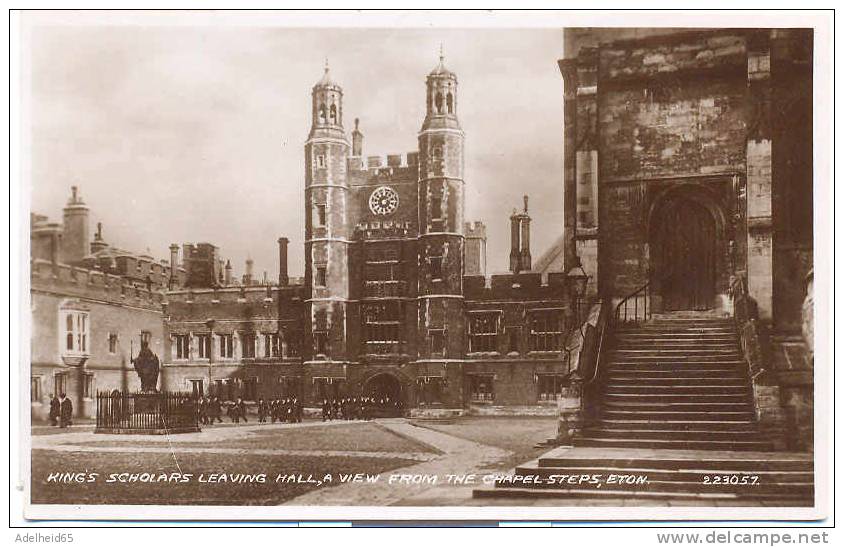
(449, 101)
(322, 113)
(440, 103)
(333, 113)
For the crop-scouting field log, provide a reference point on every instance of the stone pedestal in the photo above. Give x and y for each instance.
(570, 415)
(769, 411)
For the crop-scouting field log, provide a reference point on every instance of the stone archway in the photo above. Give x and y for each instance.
(383, 385)
(387, 394)
(686, 236)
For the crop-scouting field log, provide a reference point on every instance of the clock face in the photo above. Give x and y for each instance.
(383, 201)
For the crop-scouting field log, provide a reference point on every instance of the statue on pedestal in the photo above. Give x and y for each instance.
(147, 366)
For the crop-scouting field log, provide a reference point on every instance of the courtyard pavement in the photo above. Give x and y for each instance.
(460, 457)
(447, 455)
(80, 441)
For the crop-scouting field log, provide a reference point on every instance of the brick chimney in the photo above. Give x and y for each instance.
(525, 236)
(357, 140)
(515, 252)
(283, 278)
(76, 239)
(99, 243)
(247, 277)
(174, 264)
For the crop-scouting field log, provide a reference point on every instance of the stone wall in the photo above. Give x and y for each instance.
(110, 370)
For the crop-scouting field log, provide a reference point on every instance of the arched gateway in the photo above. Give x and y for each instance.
(384, 386)
(685, 238)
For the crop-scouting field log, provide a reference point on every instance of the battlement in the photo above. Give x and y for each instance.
(474, 229)
(244, 302)
(72, 281)
(507, 286)
(137, 267)
(390, 162)
(235, 292)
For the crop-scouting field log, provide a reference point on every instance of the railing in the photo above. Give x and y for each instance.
(595, 343)
(120, 411)
(629, 309)
(636, 307)
(745, 313)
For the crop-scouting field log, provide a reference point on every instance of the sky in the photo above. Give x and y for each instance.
(188, 133)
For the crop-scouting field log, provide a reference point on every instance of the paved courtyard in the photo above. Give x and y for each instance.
(311, 463)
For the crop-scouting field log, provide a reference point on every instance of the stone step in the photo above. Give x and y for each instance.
(697, 434)
(797, 489)
(667, 377)
(628, 380)
(713, 444)
(656, 336)
(726, 323)
(650, 398)
(720, 339)
(641, 388)
(781, 500)
(684, 414)
(715, 347)
(676, 406)
(675, 425)
(676, 329)
(730, 353)
(700, 461)
(676, 363)
(684, 474)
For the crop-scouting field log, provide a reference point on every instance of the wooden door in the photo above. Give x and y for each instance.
(685, 243)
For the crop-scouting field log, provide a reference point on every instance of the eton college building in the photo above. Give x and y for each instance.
(688, 190)
(394, 301)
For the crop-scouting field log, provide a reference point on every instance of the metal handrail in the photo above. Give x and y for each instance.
(602, 323)
(635, 296)
(647, 308)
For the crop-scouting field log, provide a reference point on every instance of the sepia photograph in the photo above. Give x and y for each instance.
(334, 267)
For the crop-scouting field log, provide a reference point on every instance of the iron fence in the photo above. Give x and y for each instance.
(121, 411)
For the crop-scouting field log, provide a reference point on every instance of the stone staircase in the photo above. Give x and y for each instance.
(671, 477)
(677, 383)
(676, 407)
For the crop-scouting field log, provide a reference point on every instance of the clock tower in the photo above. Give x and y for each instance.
(441, 204)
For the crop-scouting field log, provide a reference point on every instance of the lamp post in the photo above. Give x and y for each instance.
(577, 279)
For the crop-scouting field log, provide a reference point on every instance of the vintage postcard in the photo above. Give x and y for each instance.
(422, 266)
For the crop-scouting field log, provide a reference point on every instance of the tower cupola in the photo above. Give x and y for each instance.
(327, 106)
(441, 98)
